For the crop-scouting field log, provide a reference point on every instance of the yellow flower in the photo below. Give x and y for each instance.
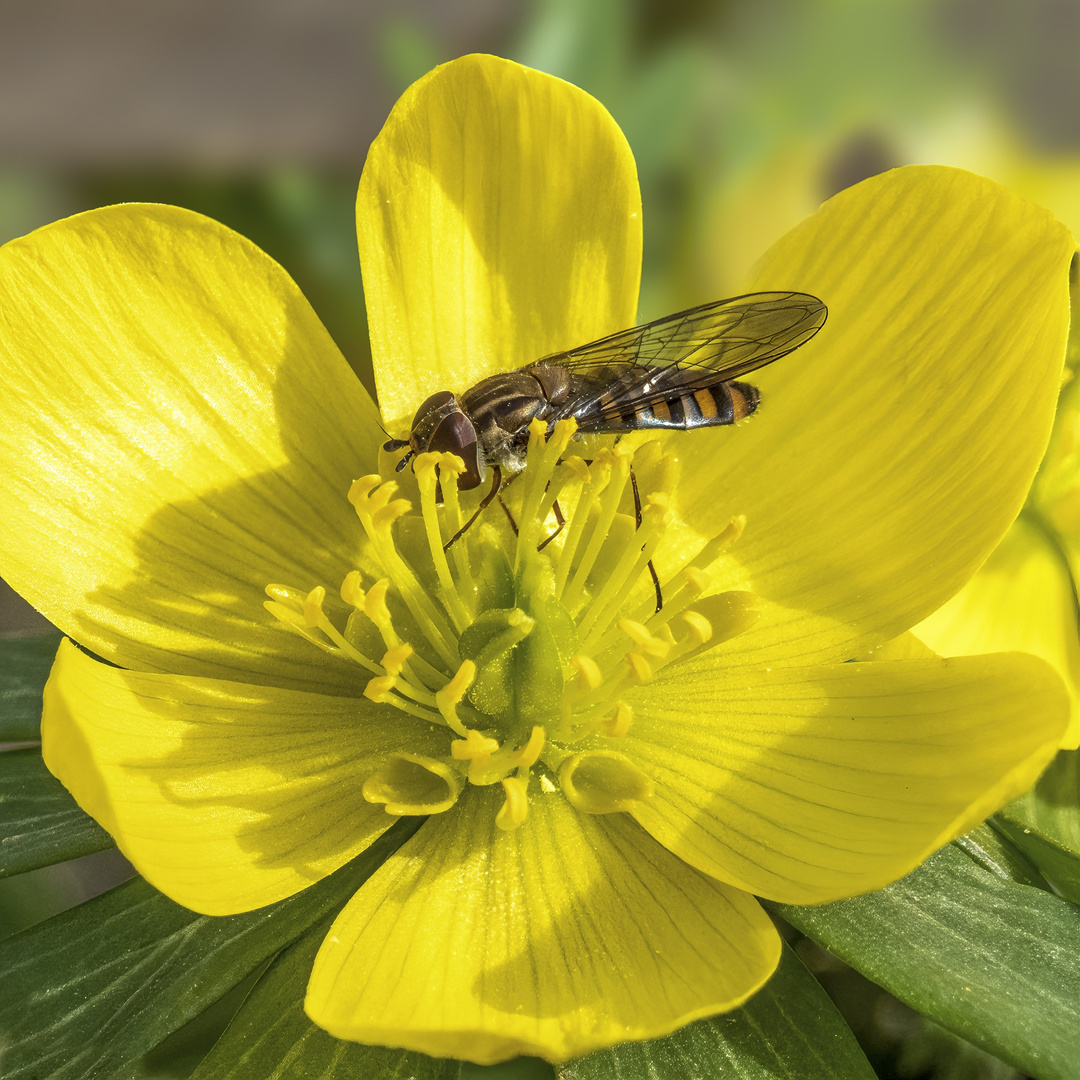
(606, 791)
(1024, 597)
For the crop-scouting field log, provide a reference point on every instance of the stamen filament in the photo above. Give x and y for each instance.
(540, 466)
(455, 522)
(432, 624)
(598, 479)
(424, 468)
(609, 505)
(624, 577)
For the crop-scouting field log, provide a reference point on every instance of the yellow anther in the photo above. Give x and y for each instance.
(360, 489)
(395, 658)
(643, 639)
(619, 723)
(351, 592)
(589, 674)
(578, 467)
(637, 632)
(424, 465)
(622, 452)
(313, 612)
(455, 689)
(700, 627)
(639, 667)
(696, 579)
(378, 689)
(732, 531)
(537, 429)
(649, 645)
(516, 807)
(529, 754)
(448, 698)
(289, 616)
(281, 593)
(451, 464)
(659, 499)
(473, 746)
(386, 515)
(563, 433)
(375, 603)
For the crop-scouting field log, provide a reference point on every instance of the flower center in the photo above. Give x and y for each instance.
(523, 638)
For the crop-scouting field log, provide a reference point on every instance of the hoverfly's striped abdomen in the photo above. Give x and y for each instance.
(709, 406)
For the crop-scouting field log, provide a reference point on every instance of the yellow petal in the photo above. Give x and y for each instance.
(1023, 599)
(810, 784)
(499, 220)
(177, 430)
(569, 933)
(891, 452)
(225, 797)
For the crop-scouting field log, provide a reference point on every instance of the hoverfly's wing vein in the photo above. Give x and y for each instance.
(691, 349)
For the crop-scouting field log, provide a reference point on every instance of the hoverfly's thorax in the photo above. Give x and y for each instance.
(503, 406)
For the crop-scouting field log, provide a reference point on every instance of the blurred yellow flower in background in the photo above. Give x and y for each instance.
(178, 432)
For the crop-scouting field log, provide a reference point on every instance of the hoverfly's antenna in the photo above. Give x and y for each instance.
(399, 467)
(394, 444)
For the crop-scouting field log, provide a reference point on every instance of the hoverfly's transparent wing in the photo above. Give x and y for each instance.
(691, 349)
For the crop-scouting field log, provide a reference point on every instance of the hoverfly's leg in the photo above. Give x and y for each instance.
(637, 518)
(506, 510)
(496, 484)
(557, 510)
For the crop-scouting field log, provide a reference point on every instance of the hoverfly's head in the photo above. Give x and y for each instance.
(440, 426)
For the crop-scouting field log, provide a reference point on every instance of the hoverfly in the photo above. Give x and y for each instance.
(675, 373)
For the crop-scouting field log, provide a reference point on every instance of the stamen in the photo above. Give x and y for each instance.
(640, 635)
(639, 667)
(540, 465)
(516, 807)
(424, 467)
(351, 591)
(589, 674)
(601, 525)
(377, 524)
(455, 523)
(624, 577)
(376, 609)
(619, 723)
(449, 697)
(294, 620)
(313, 612)
(599, 476)
(473, 746)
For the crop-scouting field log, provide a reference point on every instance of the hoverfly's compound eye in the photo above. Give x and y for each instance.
(433, 404)
(456, 435)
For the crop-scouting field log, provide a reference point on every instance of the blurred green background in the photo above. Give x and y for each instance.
(743, 116)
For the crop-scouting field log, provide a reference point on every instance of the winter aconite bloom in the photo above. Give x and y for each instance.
(605, 787)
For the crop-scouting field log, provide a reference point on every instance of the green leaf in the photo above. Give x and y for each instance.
(1059, 865)
(1052, 806)
(271, 1038)
(25, 663)
(1045, 824)
(96, 987)
(988, 957)
(790, 1028)
(40, 823)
